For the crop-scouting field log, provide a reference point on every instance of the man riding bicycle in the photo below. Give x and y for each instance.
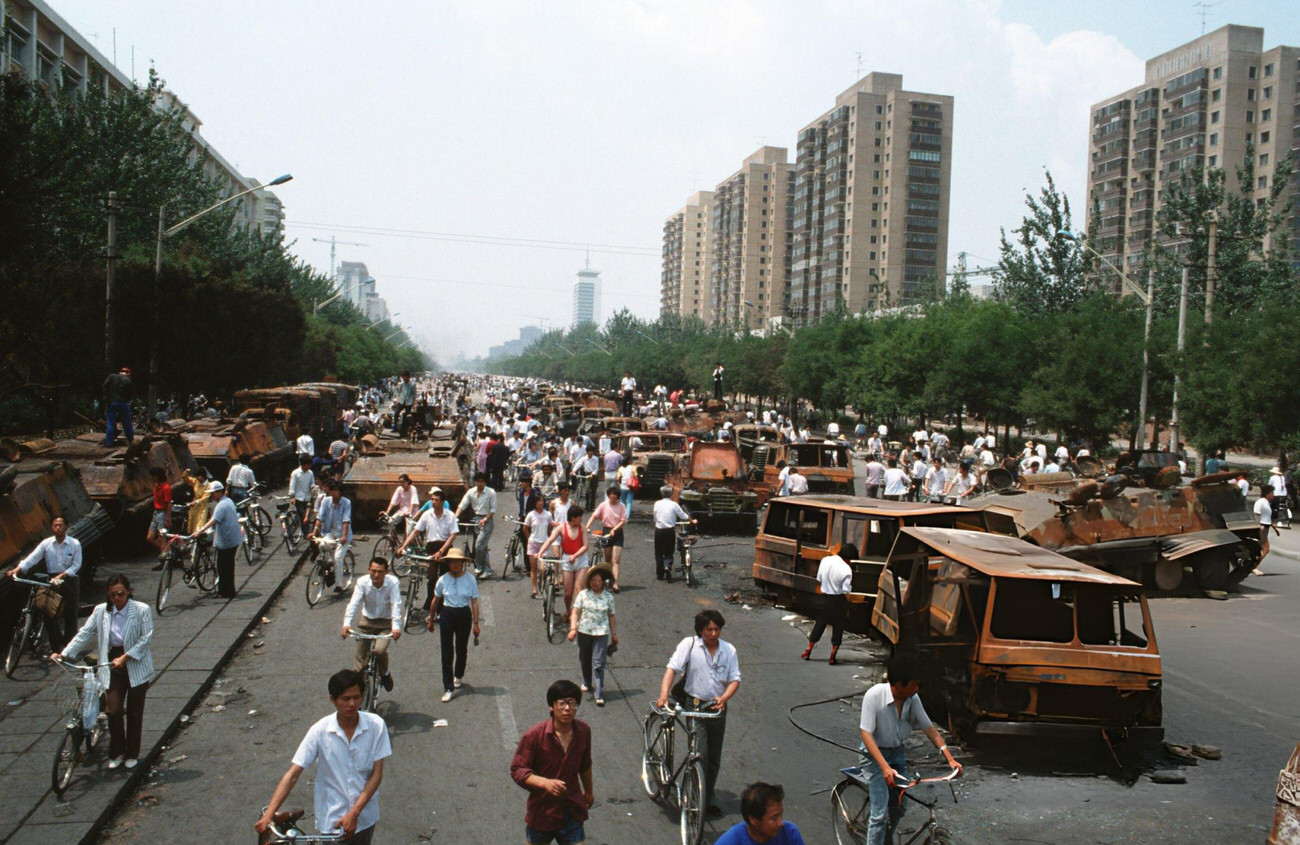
(334, 520)
(379, 598)
(480, 504)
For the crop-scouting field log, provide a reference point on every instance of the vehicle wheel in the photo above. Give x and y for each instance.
(97, 733)
(205, 571)
(260, 519)
(690, 570)
(316, 582)
(412, 596)
(164, 585)
(65, 760)
(691, 797)
(850, 812)
(289, 533)
(348, 576)
(23, 634)
(656, 756)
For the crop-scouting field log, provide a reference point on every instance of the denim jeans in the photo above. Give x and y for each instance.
(591, 659)
(115, 413)
(626, 497)
(886, 807)
(481, 546)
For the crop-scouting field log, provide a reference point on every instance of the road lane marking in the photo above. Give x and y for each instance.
(485, 612)
(509, 730)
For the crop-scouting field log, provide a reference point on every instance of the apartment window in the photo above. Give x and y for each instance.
(877, 125)
(1218, 73)
(1214, 139)
(1250, 94)
(1262, 182)
(889, 108)
(873, 256)
(1252, 72)
(1250, 117)
(1214, 162)
(886, 208)
(1268, 70)
(1268, 92)
(1249, 137)
(873, 239)
(877, 159)
(1214, 117)
(1216, 95)
(874, 223)
(875, 174)
(877, 144)
(880, 109)
(1264, 137)
(875, 192)
(1263, 160)
(875, 206)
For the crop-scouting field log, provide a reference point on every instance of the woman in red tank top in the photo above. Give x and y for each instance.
(572, 540)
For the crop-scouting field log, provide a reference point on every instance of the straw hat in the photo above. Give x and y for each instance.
(1275, 471)
(455, 554)
(601, 569)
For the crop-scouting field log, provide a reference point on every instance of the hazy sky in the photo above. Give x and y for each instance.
(408, 125)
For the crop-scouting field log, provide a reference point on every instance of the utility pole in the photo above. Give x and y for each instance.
(1182, 343)
(1146, 363)
(110, 275)
(152, 402)
(1210, 269)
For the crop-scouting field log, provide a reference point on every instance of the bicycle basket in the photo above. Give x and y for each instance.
(74, 694)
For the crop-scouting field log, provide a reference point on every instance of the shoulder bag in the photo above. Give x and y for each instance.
(678, 692)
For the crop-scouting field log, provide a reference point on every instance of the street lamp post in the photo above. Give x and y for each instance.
(384, 320)
(1147, 297)
(749, 304)
(315, 309)
(393, 335)
(647, 337)
(601, 348)
(164, 234)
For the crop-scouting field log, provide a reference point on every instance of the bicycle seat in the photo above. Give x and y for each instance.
(288, 816)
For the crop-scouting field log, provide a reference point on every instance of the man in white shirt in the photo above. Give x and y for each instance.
(1264, 512)
(61, 556)
(480, 506)
(1062, 454)
(628, 386)
(301, 482)
(305, 445)
(896, 482)
(1277, 481)
(918, 474)
(782, 477)
(379, 598)
(795, 483)
(667, 514)
(239, 480)
(961, 485)
(875, 476)
(348, 749)
(835, 581)
(987, 461)
(936, 479)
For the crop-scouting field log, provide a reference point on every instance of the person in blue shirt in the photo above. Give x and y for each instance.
(763, 809)
(227, 538)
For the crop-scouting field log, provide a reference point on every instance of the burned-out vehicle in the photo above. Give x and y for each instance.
(657, 456)
(749, 435)
(1200, 536)
(715, 483)
(827, 466)
(591, 421)
(1149, 468)
(798, 531)
(1020, 640)
(443, 461)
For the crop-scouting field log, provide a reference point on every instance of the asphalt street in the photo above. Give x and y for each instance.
(1229, 682)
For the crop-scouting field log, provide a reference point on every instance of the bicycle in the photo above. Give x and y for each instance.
(851, 809)
(685, 539)
(417, 570)
(548, 587)
(84, 723)
(322, 570)
(514, 551)
(389, 542)
(249, 535)
(197, 571)
(290, 526)
(258, 519)
(370, 691)
(658, 776)
(284, 830)
(30, 625)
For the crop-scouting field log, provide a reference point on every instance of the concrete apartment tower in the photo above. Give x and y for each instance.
(586, 297)
(751, 246)
(869, 216)
(1201, 104)
(688, 259)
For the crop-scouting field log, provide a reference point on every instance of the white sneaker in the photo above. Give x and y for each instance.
(115, 763)
(131, 764)
(446, 696)
(584, 688)
(456, 683)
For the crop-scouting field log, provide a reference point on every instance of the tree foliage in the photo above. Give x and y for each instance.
(1043, 271)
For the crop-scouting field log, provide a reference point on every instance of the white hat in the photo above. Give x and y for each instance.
(1275, 471)
(215, 486)
(433, 490)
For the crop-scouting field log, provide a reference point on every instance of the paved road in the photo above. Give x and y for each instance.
(1229, 682)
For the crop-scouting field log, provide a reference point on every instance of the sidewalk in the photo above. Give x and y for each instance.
(192, 640)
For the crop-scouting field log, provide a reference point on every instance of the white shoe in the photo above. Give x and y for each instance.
(446, 696)
(456, 683)
(131, 764)
(115, 763)
(584, 688)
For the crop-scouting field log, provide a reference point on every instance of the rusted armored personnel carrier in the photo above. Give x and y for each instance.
(828, 465)
(657, 456)
(261, 445)
(715, 483)
(32, 493)
(443, 461)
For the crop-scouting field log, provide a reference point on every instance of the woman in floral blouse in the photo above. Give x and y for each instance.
(592, 625)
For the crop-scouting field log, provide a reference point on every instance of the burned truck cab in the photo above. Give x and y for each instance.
(1020, 640)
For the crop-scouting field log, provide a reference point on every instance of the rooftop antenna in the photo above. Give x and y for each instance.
(588, 258)
(859, 55)
(1204, 11)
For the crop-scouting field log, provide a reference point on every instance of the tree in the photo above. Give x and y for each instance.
(1043, 272)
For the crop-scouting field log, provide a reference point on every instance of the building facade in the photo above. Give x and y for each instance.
(1203, 104)
(688, 259)
(750, 242)
(41, 45)
(586, 297)
(869, 213)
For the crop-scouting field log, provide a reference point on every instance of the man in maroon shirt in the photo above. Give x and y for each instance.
(553, 762)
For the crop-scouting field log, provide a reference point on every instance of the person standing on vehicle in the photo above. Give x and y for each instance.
(334, 520)
(458, 591)
(890, 712)
(762, 806)
(718, 371)
(712, 677)
(161, 520)
(348, 749)
(61, 555)
(628, 386)
(480, 506)
(226, 540)
(667, 513)
(612, 516)
(379, 598)
(796, 484)
(553, 762)
(405, 403)
(122, 628)
(301, 482)
(239, 480)
(591, 622)
(404, 504)
(118, 393)
(835, 580)
(305, 445)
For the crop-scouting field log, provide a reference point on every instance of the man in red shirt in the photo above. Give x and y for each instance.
(162, 510)
(553, 762)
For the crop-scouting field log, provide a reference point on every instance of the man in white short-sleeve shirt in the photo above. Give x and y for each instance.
(348, 749)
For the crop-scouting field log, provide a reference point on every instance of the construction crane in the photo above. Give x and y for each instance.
(333, 242)
(962, 273)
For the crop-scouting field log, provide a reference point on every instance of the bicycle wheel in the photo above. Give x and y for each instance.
(205, 570)
(247, 546)
(65, 760)
(164, 585)
(101, 726)
(412, 596)
(372, 686)
(690, 795)
(387, 549)
(348, 576)
(316, 582)
(292, 531)
(850, 812)
(940, 836)
(690, 571)
(514, 551)
(23, 634)
(548, 611)
(260, 519)
(656, 756)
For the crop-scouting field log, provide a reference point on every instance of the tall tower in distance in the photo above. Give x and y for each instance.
(586, 297)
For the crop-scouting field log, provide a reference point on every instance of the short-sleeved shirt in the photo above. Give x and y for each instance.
(406, 501)
(834, 575)
(881, 718)
(613, 460)
(1264, 510)
(226, 523)
(162, 496)
(738, 834)
(436, 529)
(709, 674)
(594, 612)
(610, 515)
(456, 592)
(333, 517)
(343, 766)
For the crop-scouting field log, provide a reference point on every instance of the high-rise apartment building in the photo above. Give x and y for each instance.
(1203, 104)
(688, 259)
(751, 244)
(869, 216)
(586, 297)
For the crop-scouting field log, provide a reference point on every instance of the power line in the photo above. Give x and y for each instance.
(507, 285)
(490, 240)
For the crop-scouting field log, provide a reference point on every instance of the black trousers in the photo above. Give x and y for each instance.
(717, 389)
(454, 627)
(665, 548)
(226, 572)
(125, 709)
(59, 629)
(832, 613)
(715, 731)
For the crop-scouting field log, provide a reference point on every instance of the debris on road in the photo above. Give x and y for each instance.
(1168, 776)
(1182, 753)
(1207, 752)
(789, 617)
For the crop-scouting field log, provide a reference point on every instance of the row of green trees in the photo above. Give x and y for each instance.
(1053, 350)
(230, 309)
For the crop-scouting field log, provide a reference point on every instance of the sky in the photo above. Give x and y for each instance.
(483, 151)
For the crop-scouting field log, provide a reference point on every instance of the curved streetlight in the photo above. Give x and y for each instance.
(315, 309)
(1147, 297)
(393, 335)
(762, 316)
(384, 320)
(601, 348)
(647, 337)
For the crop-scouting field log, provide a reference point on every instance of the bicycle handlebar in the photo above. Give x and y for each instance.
(357, 635)
(677, 710)
(31, 581)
